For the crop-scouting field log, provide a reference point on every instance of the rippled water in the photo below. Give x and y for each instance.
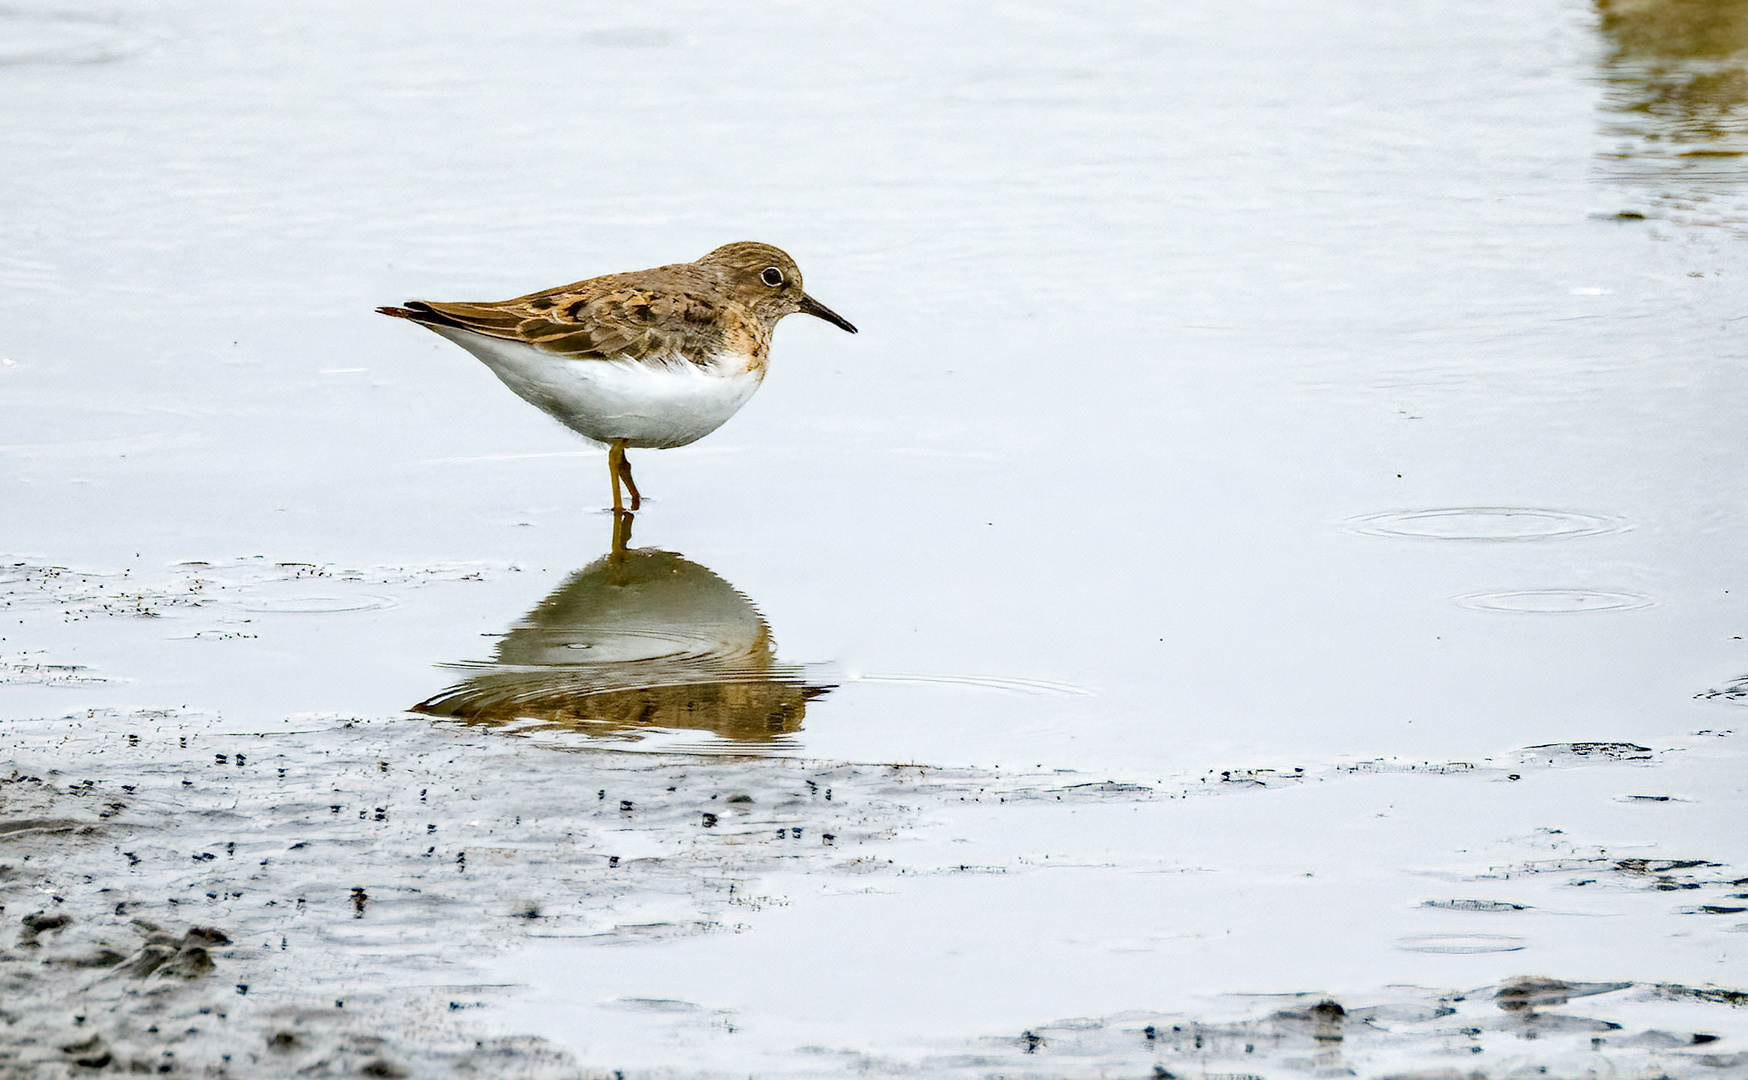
(1329, 409)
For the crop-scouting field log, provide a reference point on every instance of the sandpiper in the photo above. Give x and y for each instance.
(651, 358)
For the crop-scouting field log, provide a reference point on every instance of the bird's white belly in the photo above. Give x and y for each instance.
(646, 404)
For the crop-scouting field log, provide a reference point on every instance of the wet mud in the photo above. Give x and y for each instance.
(338, 894)
(329, 900)
(1518, 1027)
(228, 593)
(296, 968)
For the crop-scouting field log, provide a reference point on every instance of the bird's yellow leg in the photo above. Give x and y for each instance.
(615, 466)
(625, 473)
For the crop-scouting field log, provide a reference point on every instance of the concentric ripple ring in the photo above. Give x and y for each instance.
(1554, 601)
(1487, 523)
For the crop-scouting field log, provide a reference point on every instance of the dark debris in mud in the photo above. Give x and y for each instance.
(79, 594)
(193, 903)
(1556, 753)
(1525, 1027)
(24, 670)
(184, 902)
(1734, 692)
(1696, 879)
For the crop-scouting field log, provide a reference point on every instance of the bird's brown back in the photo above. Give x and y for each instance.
(679, 311)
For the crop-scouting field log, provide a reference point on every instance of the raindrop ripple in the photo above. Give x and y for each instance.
(1486, 523)
(1554, 601)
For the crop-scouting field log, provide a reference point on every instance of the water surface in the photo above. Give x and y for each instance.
(1314, 408)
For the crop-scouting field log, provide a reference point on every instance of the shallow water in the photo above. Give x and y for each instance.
(1333, 410)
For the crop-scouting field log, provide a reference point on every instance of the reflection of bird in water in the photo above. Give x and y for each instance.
(637, 640)
(1678, 73)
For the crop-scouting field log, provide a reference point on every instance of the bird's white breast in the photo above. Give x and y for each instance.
(659, 403)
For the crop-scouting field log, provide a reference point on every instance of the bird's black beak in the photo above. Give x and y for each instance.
(813, 307)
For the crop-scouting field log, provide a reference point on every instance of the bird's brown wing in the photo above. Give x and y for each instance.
(599, 319)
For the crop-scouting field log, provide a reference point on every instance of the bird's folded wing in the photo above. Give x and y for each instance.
(626, 323)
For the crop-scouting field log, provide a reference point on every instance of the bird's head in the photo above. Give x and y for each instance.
(768, 282)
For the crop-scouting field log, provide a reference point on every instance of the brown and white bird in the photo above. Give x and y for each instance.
(651, 358)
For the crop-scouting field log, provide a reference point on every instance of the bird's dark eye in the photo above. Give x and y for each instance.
(772, 276)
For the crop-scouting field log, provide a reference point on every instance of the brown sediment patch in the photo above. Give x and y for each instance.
(1520, 1027)
(1718, 994)
(1574, 752)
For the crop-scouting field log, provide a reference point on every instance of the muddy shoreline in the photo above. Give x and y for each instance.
(328, 901)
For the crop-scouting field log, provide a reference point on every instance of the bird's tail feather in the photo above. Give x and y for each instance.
(420, 312)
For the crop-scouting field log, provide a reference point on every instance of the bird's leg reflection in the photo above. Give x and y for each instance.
(622, 520)
(639, 640)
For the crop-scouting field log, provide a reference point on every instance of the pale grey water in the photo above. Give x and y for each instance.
(1269, 388)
